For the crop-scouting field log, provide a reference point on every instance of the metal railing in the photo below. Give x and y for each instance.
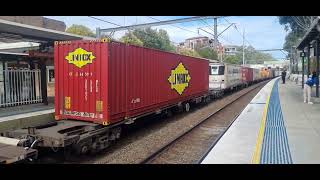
(19, 87)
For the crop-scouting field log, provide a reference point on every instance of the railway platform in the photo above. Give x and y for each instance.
(276, 127)
(26, 115)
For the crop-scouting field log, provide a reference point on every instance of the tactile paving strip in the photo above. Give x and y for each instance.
(275, 147)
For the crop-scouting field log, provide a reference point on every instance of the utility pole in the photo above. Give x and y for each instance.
(243, 63)
(215, 33)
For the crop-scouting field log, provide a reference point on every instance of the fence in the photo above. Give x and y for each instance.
(19, 87)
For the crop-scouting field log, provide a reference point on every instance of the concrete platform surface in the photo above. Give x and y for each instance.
(287, 132)
(12, 118)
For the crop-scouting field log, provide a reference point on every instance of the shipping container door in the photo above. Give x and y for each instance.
(79, 69)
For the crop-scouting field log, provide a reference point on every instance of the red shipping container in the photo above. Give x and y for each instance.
(247, 74)
(106, 82)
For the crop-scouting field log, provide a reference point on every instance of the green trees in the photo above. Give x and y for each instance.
(159, 39)
(232, 60)
(208, 53)
(130, 38)
(150, 38)
(251, 56)
(80, 30)
(188, 52)
(298, 26)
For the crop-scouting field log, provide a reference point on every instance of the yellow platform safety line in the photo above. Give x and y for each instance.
(257, 152)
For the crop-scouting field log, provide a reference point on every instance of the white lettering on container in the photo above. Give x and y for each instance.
(86, 90)
(97, 88)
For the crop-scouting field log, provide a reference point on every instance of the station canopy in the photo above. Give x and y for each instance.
(11, 32)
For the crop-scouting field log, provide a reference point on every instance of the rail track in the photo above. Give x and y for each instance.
(148, 142)
(194, 144)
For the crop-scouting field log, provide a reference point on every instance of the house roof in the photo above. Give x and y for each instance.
(199, 37)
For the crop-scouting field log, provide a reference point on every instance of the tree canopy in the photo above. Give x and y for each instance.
(297, 26)
(159, 39)
(208, 53)
(188, 52)
(80, 30)
(150, 38)
(251, 56)
(130, 38)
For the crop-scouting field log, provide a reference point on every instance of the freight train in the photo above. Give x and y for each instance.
(225, 77)
(103, 85)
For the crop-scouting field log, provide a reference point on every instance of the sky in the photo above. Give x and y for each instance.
(261, 32)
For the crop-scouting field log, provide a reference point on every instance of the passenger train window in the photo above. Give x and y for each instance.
(214, 70)
(221, 70)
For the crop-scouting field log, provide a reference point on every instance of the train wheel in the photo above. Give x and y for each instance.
(85, 149)
(187, 107)
(94, 149)
(169, 113)
(82, 149)
(208, 99)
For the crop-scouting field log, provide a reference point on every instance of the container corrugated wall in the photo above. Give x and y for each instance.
(126, 81)
(247, 74)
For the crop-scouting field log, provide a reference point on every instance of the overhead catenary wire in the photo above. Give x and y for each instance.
(104, 21)
(209, 26)
(119, 25)
(204, 22)
(241, 34)
(174, 25)
(184, 28)
(236, 28)
(229, 41)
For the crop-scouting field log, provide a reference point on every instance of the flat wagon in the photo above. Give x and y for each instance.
(101, 85)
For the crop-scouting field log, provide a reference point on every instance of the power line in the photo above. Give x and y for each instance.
(220, 33)
(235, 26)
(188, 29)
(104, 21)
(213, 31)
(222, 24)
(175, 26)
(120, 26)
(209, 26)
(243, 37)
(226, 40)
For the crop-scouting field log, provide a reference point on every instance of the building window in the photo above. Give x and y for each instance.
(51, 75)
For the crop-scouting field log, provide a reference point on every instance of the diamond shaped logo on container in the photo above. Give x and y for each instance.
(179, 78)
(80, 57)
